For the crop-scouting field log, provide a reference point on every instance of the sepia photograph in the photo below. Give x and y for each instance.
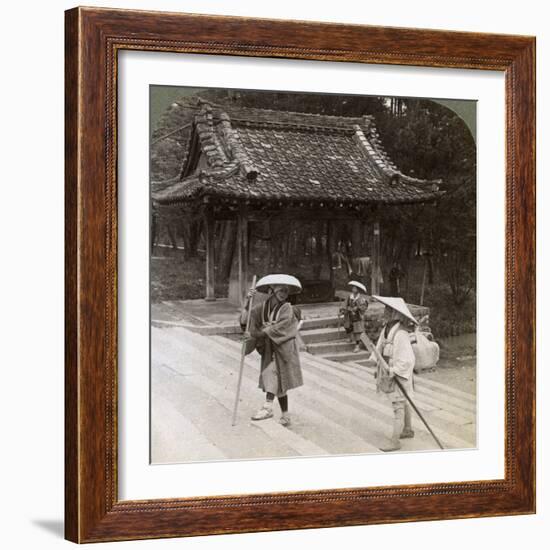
(312, 274)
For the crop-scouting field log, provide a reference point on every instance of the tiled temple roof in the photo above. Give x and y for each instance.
(263, 155)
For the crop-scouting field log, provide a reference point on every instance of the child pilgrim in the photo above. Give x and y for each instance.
(354, 309)
(394, 345)
(273, 331)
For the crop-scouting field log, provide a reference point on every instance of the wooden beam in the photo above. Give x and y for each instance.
(229, 212)
(304, 214)
(375, 286)
(330, 250)
(209, 230)
(356, 237)
(242, 251)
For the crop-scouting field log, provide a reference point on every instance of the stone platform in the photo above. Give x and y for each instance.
(321, 332)
(221, 316)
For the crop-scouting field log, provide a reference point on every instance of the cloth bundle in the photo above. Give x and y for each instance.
(426, 352)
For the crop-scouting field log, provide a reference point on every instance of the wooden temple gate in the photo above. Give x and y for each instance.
(252, 165)
(245, 215)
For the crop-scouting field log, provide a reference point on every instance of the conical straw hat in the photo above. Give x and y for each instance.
(398, 304)
(359, 285)
(293, 284)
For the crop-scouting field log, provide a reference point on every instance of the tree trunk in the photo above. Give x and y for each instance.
(319, 230)
(376, 259)
(318, 254)
(356, 238)
(242, 258)
(228, 242)
(330, 249)
(288, 258)
(154, 228)
(210, 256)
(190, 232)
(195, 229)
(429, 259)
(171, 236)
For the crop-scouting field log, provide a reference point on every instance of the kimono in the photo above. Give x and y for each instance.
(354, 310)
(273, 333)
(396, 348)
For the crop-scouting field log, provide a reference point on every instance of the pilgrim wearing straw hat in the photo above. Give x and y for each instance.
(395, 347)
(273, 330)
(353, 310)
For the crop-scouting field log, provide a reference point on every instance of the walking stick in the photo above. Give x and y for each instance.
(372, 348)
(243, 354)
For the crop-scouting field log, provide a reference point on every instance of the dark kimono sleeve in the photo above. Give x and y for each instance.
(285, 328)
(256, 339)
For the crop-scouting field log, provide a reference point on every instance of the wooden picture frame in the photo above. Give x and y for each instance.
(93, 511)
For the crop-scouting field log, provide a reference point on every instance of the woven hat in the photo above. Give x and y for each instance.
(293, 284)
(398, 304)
(358, 285)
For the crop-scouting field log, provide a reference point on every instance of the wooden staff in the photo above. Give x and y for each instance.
(372, 348)
(243, 354)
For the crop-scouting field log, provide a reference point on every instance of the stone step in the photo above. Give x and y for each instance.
(335, 323)
(167, 446)
(308, 326)
(469, 398)
(339, 398)
(210, 392)
(159, 312)
(329, 348)
(346, 356)
(454, 425)
(324, 335)
(360, 409)
(302, 439)
(320, 322)
(458, 411)
(322, 376)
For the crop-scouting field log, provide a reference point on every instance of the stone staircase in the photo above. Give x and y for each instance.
(329, 340)
(321, 331)
(336, 411)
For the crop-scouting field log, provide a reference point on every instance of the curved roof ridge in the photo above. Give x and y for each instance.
(223, 155)
(236, 149)
(296, 118)
(209, 140)
(258, 114)
(373, 147)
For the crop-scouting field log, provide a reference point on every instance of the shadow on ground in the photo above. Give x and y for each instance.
(55, 527)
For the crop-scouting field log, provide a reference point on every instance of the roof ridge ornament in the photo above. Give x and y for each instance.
(373, 154)
(236, 149)
(381, 161)
(209, 142)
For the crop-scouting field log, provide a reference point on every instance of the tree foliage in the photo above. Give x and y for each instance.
(430, 141)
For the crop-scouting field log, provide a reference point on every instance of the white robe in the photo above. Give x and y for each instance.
(397, 348)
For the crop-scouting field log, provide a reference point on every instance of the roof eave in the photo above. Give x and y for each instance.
(206, 195)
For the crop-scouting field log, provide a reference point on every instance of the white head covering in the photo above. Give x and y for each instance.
(265, 283)
(398, 304)
(358, 285)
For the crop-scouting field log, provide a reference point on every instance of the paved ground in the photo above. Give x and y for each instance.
(337, 411)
